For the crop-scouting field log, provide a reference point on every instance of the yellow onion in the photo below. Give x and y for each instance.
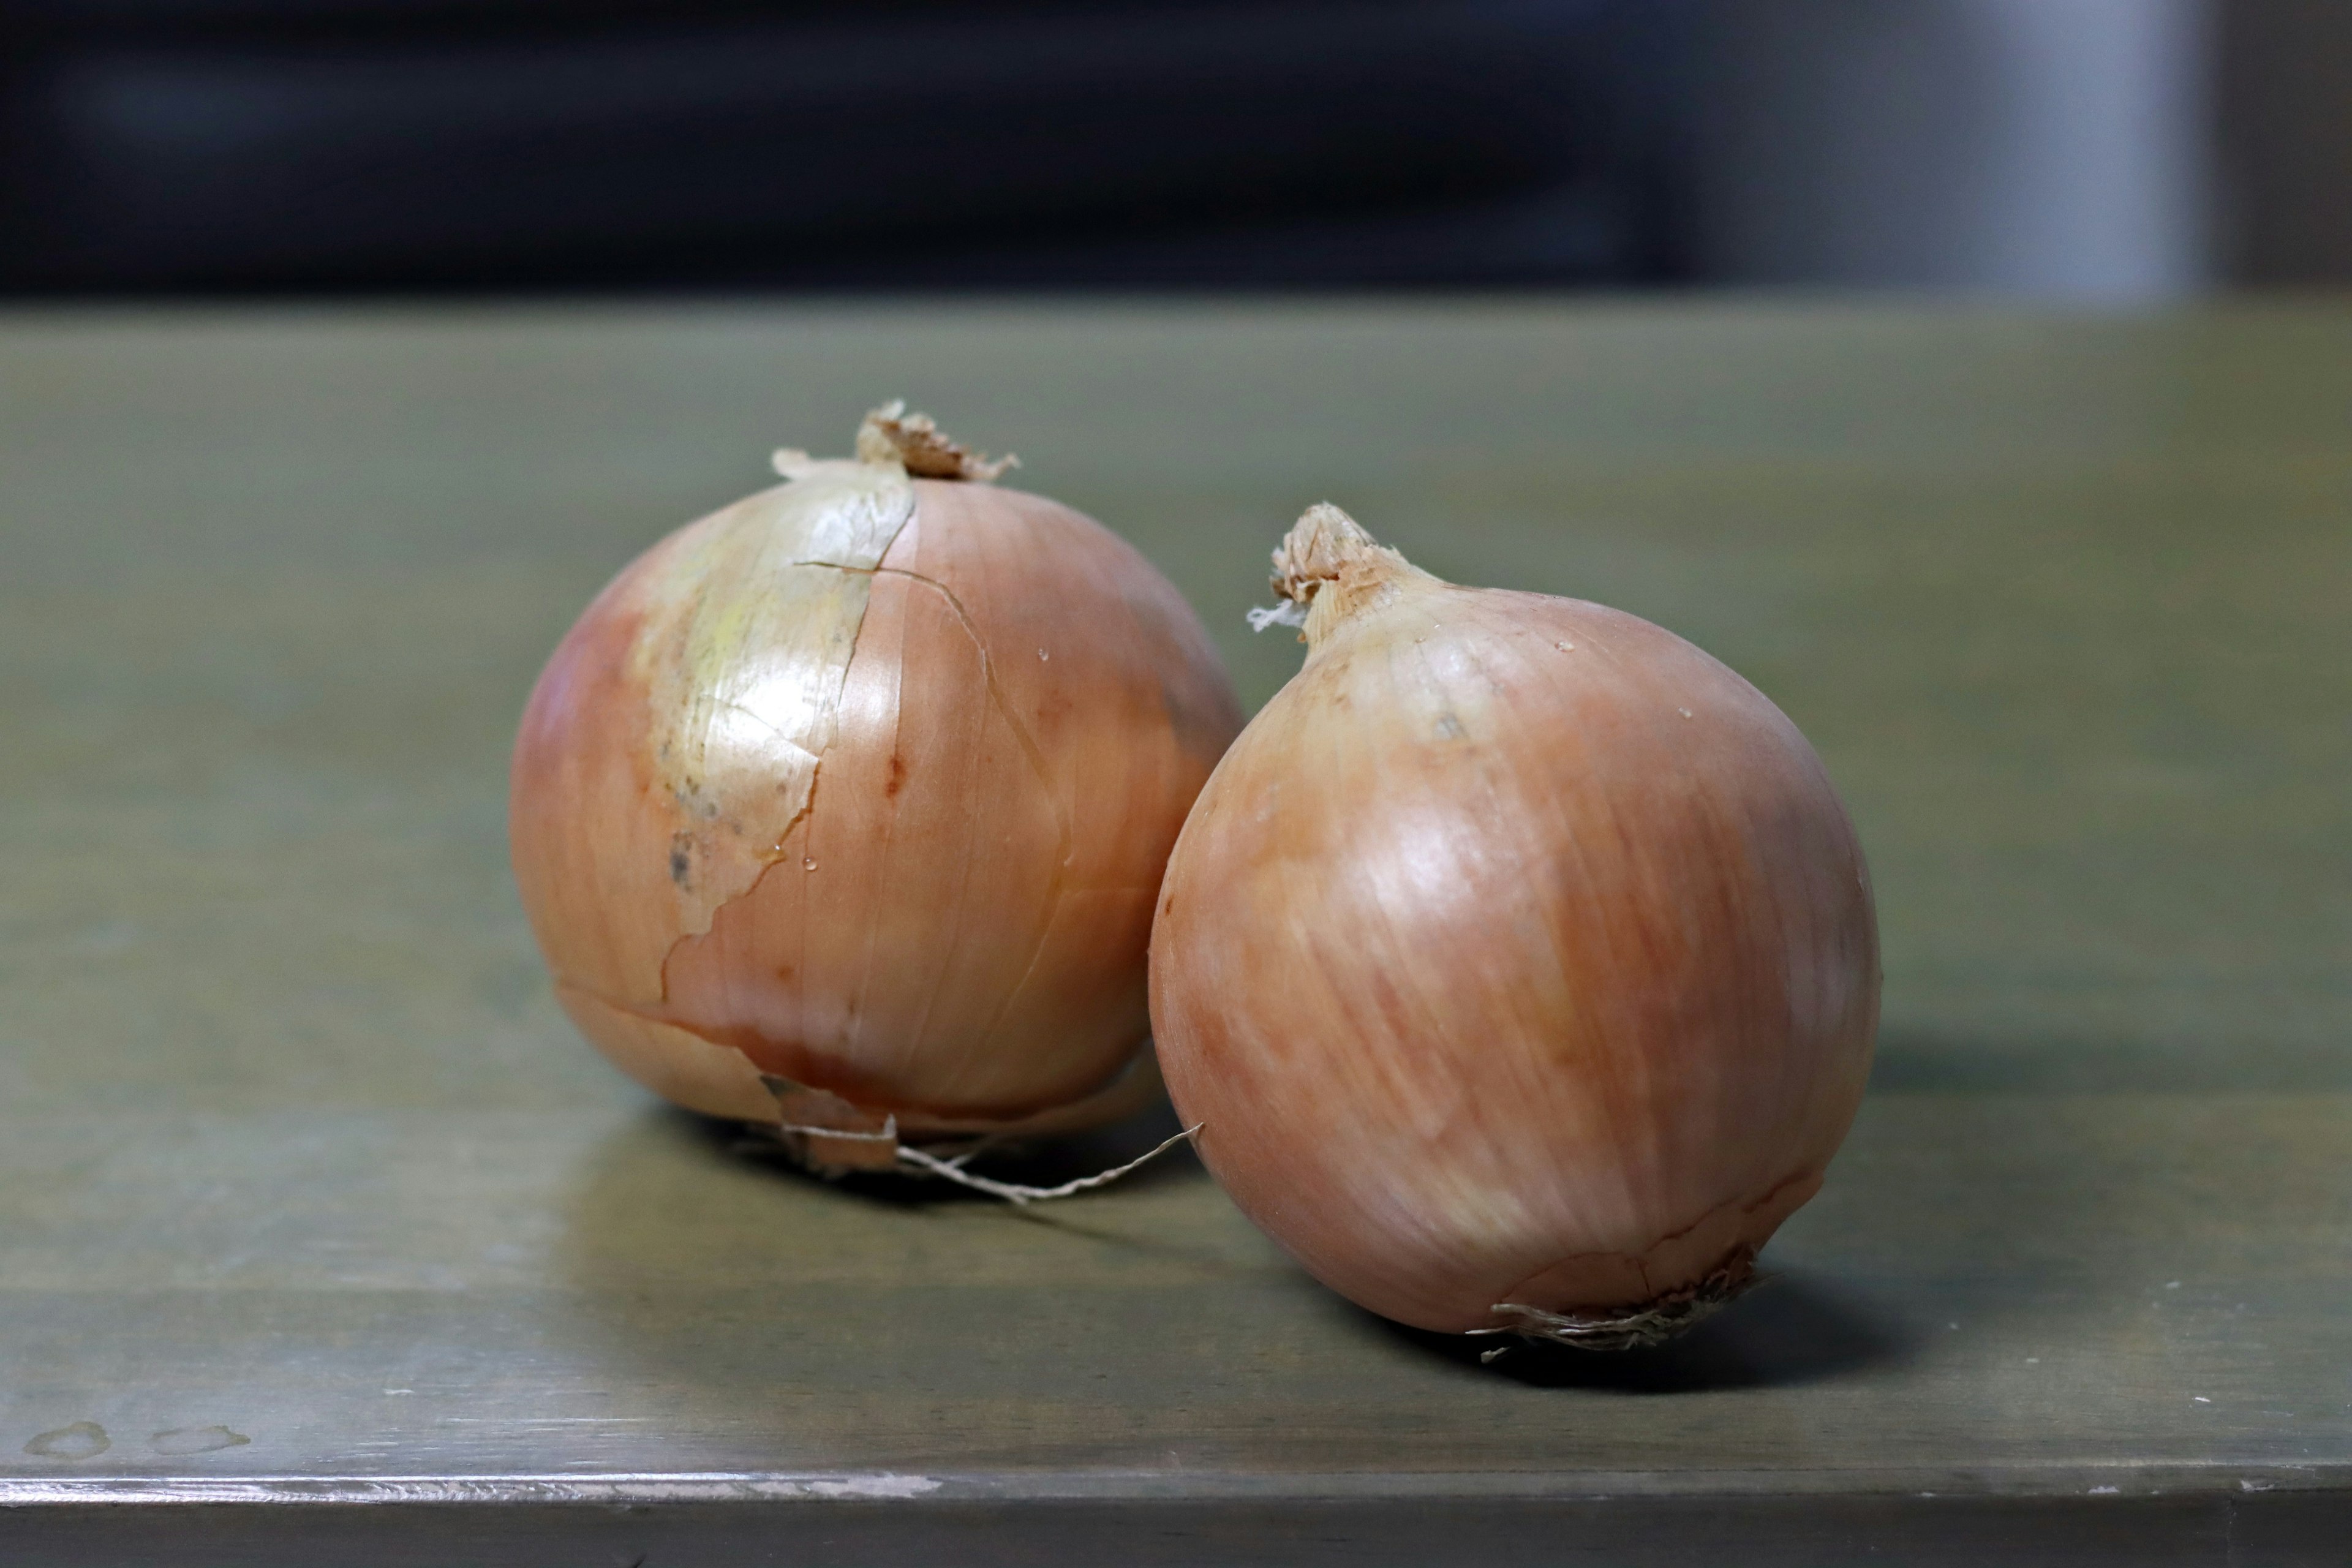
(844, 809)
(1519, 961)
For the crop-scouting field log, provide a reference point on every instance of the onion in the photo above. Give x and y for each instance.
(1519, 961)
(844, 809)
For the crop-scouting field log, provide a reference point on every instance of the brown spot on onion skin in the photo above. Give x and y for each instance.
(954, 929)
(1562, 1009)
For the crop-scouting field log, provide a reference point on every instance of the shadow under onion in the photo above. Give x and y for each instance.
(1790, 1330)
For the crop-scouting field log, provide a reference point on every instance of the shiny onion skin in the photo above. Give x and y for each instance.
(1519, 961)
(845, 807)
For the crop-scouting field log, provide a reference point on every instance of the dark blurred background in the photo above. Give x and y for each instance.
(2095, 150)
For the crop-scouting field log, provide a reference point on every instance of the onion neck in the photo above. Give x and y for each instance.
(915, 442)
(1329, 564)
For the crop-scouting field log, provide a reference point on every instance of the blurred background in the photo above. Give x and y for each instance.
(2096, 150)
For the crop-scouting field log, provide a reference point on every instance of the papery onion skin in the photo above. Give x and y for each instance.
(906, 876)
(1518, 954)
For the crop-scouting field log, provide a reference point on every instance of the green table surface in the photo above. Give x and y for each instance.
(319, 1230)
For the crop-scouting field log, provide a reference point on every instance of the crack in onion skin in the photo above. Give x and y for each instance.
(871, 802)
(1518, 958)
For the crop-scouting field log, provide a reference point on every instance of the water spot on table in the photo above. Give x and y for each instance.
(81, 1440)
(182, 1440)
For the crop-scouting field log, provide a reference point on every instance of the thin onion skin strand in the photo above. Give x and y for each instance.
(1518, 953)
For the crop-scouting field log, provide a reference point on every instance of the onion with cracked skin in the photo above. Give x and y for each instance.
(844, 808)
(1519, 961)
